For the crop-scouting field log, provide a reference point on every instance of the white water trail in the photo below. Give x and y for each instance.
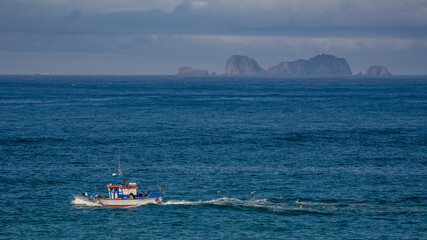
(181, 202)
(218, 201)
(81, 202)
(257, 204)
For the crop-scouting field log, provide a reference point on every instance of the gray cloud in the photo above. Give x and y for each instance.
(207, 32)
(357, 18)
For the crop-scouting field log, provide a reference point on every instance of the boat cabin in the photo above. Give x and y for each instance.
(119, 191)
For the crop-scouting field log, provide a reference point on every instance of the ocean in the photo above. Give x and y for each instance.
(348, 154)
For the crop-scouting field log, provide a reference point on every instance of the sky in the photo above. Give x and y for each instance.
(159, 36)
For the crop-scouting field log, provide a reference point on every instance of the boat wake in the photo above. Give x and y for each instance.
(263, 205)
(286, 207)
(219, 201)
(84, 203)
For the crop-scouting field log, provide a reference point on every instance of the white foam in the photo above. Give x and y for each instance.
(82, 202)
(180, 202)
(255, 204)
(218, 201)
(142, 204)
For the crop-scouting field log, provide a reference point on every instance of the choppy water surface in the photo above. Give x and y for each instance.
(349, 156)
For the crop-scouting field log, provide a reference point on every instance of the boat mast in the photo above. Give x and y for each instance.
(120, 172)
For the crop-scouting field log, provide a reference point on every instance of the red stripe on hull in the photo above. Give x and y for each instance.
(119, 205)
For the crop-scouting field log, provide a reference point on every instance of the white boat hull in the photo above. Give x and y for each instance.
(129, 202)
(121, 203)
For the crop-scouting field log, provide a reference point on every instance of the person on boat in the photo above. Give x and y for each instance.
(131, 196)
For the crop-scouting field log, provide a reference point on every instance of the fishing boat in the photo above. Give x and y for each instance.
(122, 194)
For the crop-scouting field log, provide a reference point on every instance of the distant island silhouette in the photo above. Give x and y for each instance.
(322, 65)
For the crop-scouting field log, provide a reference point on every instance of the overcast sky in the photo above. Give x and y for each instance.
(159, 36)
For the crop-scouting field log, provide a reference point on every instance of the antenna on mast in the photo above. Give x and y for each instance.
(120, 172)
(159, 186)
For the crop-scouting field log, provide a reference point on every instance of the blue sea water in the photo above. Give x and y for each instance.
(348, 154)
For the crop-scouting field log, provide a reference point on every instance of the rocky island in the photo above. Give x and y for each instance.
(191, 71)
(243, 65)
(377, 70)
(322, 64)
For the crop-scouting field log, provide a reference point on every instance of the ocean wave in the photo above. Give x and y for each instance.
(29, 140)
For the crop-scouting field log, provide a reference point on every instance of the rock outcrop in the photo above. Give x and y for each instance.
(191, 71)
(243, 65)
(322, 64)
(377, 70)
